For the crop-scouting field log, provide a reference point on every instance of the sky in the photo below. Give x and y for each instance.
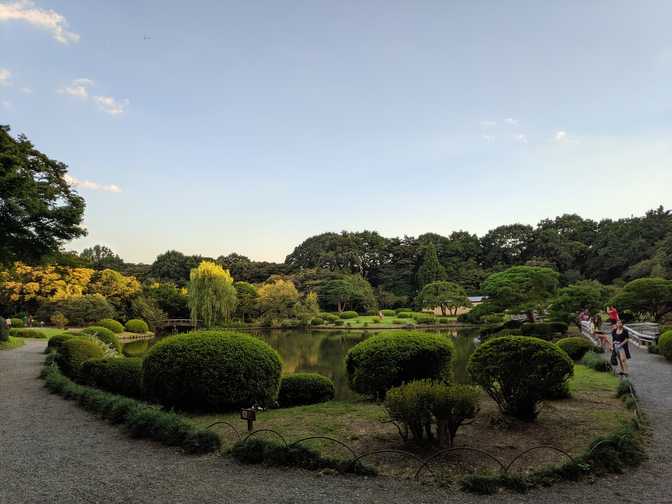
(213, 127)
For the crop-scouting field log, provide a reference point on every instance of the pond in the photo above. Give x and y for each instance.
(324, 351)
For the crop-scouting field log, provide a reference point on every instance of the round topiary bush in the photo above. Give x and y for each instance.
(17, 323)
(137, 326)
(117, 375)
(329, 317)
(74, 352)
(316, 321)
(349, 315)
(518, 372)
(391, 358)
(405, 315)
(211, 371)
(388, 313)
(111, 324)
(576, 347)
(538, 330)
(56, 342)
(305, 388)
(104, 335)
(665, 345)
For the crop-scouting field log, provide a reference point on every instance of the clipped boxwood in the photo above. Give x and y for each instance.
(349, 315)
(316, 321)
(211, 371)
(305, 388)
(388, 313)
(665, 345)
(518, 372)
(329, 317)
(576, 347)
(137, 326)
(28, 333)
(111, 324)
(56, 342)
(405, 315)
(17, 323)
(389, 359)
(538, 330)
(117, 375)
(104, 335)
(73, 353)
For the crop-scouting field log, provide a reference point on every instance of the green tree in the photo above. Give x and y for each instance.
(39, 210)
(338, 293)
(173, 266)
(646, 296)
(522, 289)
(101, 257)
(247, 301)
(586, 294)
(449, 296)
(430, 269)
(277, 300)
(212, 296)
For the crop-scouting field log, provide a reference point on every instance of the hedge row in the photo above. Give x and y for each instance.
(117, 375)
(28, 333)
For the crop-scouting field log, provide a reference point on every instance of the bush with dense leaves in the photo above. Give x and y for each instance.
(391, 358)
(559, 327)
(518, 372)
(58, 320)
(329, 317)
(388, 313)
(478, 312)
(28, 333)
(346, 315)
(56, 342)
(211, 371)
(117, 375)
(664, 345)
(112, 325)
(74, 352)
(596, 362)
(540, 330)
(316, 321)
(405, 315)
(137, 326)
(305, 388)
(79, 311)
(421, 404)
(576, 347)
(17, 323)
(104, 335)
(339, 322)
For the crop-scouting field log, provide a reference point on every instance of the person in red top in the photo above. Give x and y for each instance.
(613, 315)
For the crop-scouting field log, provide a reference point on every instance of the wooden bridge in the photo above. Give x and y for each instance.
(174, 326)
(642, 334)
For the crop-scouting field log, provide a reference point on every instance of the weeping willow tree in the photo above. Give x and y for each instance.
(212, 296)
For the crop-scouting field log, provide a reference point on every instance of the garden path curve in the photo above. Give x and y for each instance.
(51, 451)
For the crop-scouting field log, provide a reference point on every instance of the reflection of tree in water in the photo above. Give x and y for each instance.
(298, 349)
(464, 345)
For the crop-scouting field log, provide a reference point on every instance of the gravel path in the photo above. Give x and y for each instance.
(51, 451)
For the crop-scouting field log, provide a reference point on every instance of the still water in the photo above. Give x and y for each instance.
(324, 352)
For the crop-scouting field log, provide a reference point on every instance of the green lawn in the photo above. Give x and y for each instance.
(587, 380)
(12, 343)
(374, 321)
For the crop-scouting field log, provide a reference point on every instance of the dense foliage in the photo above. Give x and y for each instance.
(117, 375)
(646, 296)
(305, 388)
(112, 325)
(56, 342)
(389, 359)
(212, 371)
(212, 296)
(518, 372)
(136, 326)
(665, 345)
(448, 296)
(74, 352)
(78, 311)
(575, 347)
(104, 335)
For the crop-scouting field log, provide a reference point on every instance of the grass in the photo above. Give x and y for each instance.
(12, 343)
(587, 380)
(373, 321)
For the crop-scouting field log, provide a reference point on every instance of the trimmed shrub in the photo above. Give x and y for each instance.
(117, 375)
(596, 362)
(388, 313)
(329, 317)
(397, 322)
(305, 388)
(56, 342)
(420, 404)
(664, 345)
(538, 330)
(576, 347)
(28, 333)
(137, 326)
(346, 315)
(211, 371)
(111, 324)
(518, 372)
(339, 322)
(389, 359)
(104, 335)
(317, 321)
(17, 323)
(405, 315)
(74, 352)
(404, 310)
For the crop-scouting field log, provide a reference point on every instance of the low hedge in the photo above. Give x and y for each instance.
(137, 326)
(17, 323)
(346, 315)
(305, 388)
(405, 315)
(104, 335)
(389, 359)
(329, 317)
(73, 353)
(664, 345)
(28, 333)
(576, 347)
(117, 375)
(112, 325)
(55, 342)
(140, 419)
(211, 371)
(388, 313)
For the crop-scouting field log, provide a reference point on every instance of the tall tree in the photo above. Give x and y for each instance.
(173, 266)
(212, 296)
(430, 269)
(448, 296)
(39, 211)
(101, 257)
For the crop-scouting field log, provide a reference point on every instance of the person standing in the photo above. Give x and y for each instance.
(613, 315)
(619, 340)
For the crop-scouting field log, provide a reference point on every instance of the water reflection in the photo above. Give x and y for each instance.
(324, 352)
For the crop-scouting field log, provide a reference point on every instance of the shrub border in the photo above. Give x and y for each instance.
(140, 419)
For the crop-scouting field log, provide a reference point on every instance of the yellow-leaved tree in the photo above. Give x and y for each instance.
(277, 300)
(212, 296)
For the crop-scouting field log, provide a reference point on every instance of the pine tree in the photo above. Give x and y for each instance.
(430, 269)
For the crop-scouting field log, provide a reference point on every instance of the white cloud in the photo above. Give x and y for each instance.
(511, 121)
(111, 105)
(488, 124)
(560, 136)
(520, 138)
(94, 186)
(78, 88)
(5, 75)
(45, 19)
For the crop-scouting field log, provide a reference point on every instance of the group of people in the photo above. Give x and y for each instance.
(618, 345)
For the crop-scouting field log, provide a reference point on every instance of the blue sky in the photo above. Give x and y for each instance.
(211, 127)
